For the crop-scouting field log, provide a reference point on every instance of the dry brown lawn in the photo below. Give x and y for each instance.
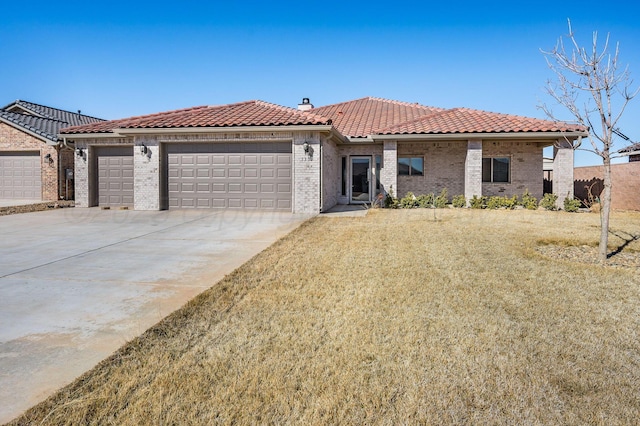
(400, 317)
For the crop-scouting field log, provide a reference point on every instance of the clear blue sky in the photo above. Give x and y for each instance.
(117, 59)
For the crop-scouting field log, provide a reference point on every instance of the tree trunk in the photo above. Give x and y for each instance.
(605, 199)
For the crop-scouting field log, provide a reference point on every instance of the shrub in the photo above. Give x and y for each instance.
(494, 202)
(390, 201)
(510, 202)
(425, 201)
(548, 202)
(459, 201)
(478, 202)
(441, 200)
(528, 201)
(571, 205)
(409, 201)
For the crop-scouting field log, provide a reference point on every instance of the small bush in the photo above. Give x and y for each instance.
(459, 201)
(548, 202)
(425, 201)
(571, 205)
(390, 201)
(478, 202)
(409, 201)
(528, 201)
(440, 202)
(494, 202)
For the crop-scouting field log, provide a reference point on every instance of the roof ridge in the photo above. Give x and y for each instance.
(418, 119)
(403, 103)
(308, 113)
(27, 104)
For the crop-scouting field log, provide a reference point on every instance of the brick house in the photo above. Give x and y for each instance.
(33, 160)
(257, 155)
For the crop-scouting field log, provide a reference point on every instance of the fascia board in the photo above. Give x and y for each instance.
(465, 136)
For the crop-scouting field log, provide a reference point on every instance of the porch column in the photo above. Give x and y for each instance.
(473, 169)
(562, 171)
(389, 175)
(81, 174)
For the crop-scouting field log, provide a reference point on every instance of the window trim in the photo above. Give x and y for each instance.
(421, 158)
(492, 174)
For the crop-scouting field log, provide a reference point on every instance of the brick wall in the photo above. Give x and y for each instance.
(443, 167)
(146, 174)
(625, 181)
(12, 139)
(526, 168)
(306, 173)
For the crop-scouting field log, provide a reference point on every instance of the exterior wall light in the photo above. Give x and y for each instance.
(143, 149)
(80, 152)
(308, 149)
(48, 158)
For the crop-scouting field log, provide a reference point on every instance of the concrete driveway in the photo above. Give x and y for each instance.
(76, 284)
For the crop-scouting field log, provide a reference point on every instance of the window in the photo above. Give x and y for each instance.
(410, 166)
(496, 169)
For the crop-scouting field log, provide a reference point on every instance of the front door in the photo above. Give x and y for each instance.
(360, 179)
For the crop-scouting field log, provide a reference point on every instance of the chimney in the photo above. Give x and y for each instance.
(305, 105)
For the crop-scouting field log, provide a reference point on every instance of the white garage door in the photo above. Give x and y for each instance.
(230, 176)
(20, 176)
(115, 176)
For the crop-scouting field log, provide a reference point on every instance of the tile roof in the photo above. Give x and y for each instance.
(250, 113)
(42, 120)
(367, 116)
(631, 148)
(464, 120)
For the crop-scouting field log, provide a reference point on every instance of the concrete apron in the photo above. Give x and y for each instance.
(76, 284)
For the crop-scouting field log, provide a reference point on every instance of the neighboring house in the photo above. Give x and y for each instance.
(34, 162)
(633, 152)
(257, 155)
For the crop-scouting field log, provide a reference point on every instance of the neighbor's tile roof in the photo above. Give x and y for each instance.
(367, 116)
(250, 113)
(464, 120)
(42, 120)
(631, 148)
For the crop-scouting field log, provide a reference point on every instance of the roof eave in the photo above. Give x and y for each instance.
(479, 135)
(45, 139)
(123, 132)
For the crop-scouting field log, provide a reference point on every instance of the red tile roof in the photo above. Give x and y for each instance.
(358, 118)
(464, 120)
(367, 116)
(250, 113)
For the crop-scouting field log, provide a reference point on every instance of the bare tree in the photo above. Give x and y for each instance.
(594, 88)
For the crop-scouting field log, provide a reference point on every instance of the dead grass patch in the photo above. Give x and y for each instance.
(398, 317)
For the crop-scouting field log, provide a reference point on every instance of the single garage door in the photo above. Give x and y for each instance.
(115, 176)
(230, 175)
(20, 176)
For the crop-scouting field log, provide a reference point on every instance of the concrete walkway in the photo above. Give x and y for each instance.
(76, 284)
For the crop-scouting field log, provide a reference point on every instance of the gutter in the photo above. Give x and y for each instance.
(197, 130)
(465, 136)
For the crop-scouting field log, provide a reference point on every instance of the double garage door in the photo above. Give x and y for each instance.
(20, 176)
(230, 175)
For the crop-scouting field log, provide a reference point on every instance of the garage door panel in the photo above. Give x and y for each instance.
(21, 175)
(115, 176)
(238, 176)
